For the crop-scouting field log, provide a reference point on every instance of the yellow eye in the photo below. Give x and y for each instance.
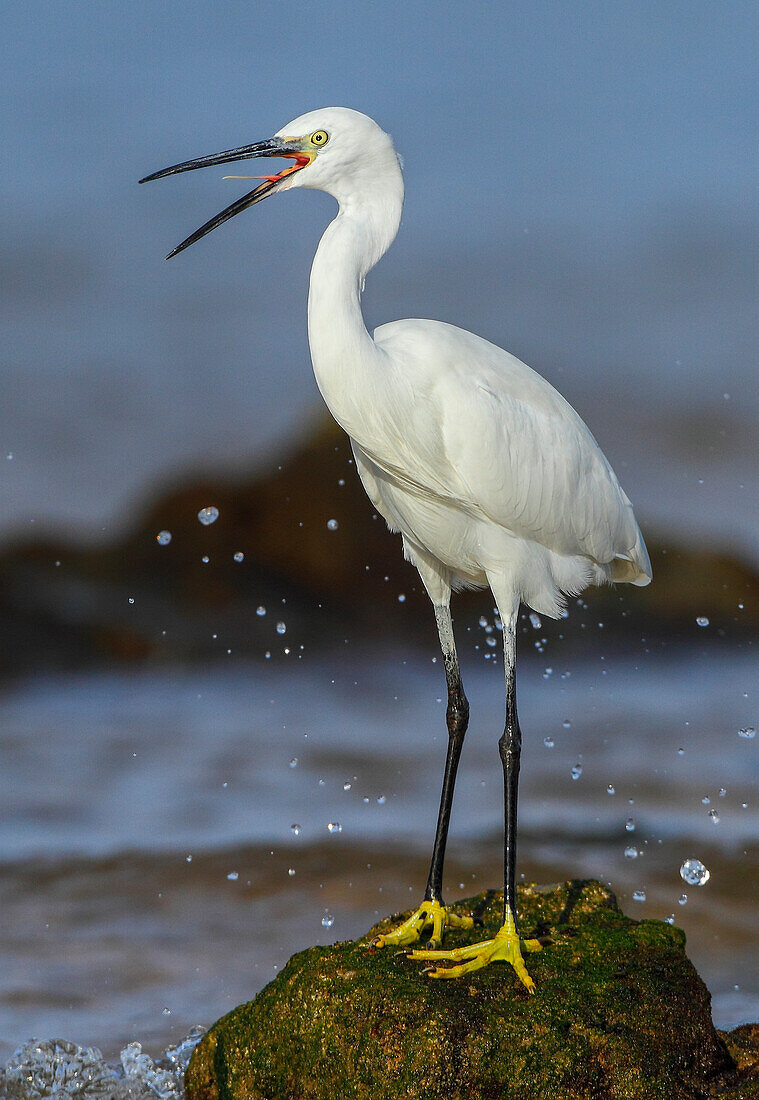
(321, 137)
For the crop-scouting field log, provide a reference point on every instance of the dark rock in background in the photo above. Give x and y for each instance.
(63, 606)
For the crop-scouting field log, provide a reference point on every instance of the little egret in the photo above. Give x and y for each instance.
(489, 475)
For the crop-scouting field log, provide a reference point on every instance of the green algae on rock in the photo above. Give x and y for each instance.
(619, 1013)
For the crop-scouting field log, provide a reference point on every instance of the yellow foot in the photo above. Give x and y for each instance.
(430, 914)
(505, 947)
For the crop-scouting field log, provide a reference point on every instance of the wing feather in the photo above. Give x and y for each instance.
(477, 427)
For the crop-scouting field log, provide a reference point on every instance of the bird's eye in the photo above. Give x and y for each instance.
(321, 137)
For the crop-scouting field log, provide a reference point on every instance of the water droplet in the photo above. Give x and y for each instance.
(208, 515)
(490, 641)
(535, 620)
(294, 762)
(166, 1011)
(239, 556)
(747, 732)
(332, 525)
(261, 610)
(9, 456)
(549, 742)
(610, 788)
(705, 800)
(327, 920)
(631, 852)
(576, 770)
(233, 876)
(639, 895)
(401, 598)
(381, 800)
(334, 827)
(205, 559)
(295, 830)
(347, 785)
(291, 871)
(163, 538)
(630, 825)
(702, 620)
(189, 859)
(131, 599)
(281, 627)
(566, 724)
(722, 792)
(694, 872)
(682, 900)
(680, 752)
(714, 816)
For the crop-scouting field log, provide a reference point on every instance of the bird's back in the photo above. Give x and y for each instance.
(474, 426)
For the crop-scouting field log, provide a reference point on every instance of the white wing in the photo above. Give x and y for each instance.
(474, 425)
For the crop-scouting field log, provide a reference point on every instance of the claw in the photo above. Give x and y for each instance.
(429, 914)
(504, 947)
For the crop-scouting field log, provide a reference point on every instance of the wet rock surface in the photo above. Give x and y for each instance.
(620, 1012)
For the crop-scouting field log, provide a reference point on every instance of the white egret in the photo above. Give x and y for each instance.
(490, 476)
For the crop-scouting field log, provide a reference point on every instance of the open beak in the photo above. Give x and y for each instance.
(273, 147)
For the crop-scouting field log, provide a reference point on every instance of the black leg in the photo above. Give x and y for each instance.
(510, 747)
(457, 719)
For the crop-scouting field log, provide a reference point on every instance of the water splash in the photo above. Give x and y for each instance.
(694, 872)
(57, 1068)
(208, 515)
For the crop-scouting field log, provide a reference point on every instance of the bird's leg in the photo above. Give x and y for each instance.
(506, 945)
(432, 913)
(457, 720)
(510, 749)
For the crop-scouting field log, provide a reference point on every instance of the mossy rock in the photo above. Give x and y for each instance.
(619, 1012)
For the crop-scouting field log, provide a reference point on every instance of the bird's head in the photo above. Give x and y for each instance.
(334, 149)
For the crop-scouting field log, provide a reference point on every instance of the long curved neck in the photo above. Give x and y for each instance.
(342, 351)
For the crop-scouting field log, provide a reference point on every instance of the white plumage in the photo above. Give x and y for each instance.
(487, 471)
(489, 474)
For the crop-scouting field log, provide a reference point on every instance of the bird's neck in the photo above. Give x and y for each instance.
(343, 353)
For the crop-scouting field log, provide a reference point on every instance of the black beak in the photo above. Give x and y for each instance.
(273, 147)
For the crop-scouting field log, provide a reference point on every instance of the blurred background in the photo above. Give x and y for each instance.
(581, 189)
